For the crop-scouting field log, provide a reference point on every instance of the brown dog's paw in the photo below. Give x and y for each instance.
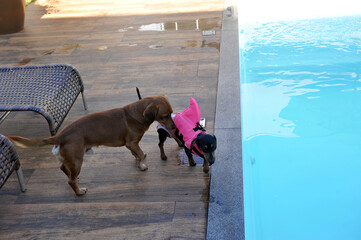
(164, 158)
(143, 167)
(82, 191)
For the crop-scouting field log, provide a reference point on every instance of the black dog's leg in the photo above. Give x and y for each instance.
(162, 134)
(180, 144)
(191, 161)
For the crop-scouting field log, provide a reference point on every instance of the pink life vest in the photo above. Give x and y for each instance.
(188, 127)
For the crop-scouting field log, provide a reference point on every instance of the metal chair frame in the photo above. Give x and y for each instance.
(9, 161)
(49, 90)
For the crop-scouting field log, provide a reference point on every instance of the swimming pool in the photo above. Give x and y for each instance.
(301, 128)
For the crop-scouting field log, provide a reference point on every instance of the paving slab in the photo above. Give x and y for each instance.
(225, 212)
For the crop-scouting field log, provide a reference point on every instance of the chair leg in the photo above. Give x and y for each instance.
(84, 103)
(19, 173)
(3, 116)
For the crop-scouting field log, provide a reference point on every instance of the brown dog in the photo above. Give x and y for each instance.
(116, 127)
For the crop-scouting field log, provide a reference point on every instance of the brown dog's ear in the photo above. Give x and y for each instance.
(150, 113)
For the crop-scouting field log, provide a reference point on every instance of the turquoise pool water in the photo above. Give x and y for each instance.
(301, 128)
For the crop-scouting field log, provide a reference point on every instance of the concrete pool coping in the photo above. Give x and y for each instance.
(225, 211)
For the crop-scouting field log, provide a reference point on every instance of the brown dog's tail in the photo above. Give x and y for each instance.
(29, 142)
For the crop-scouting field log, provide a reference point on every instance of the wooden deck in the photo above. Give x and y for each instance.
(115, 47)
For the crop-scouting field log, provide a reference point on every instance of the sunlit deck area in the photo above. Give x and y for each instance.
(162, 47)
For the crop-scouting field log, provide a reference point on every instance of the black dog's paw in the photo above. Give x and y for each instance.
(164, 158)
(192, 164)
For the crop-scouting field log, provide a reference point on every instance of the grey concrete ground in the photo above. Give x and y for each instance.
(225, 213)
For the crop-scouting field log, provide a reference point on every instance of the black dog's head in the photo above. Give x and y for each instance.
(207, 144)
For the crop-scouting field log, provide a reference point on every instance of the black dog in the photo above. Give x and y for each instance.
(190, 135)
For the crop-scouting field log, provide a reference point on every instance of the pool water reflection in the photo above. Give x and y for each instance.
(301, 127)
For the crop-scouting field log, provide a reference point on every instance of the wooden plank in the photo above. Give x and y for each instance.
(86, 220)
(189, 221)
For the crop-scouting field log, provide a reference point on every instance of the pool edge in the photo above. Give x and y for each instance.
(225, 211)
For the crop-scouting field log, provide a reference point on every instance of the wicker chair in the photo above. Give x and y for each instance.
(50, 90)
(9, 162)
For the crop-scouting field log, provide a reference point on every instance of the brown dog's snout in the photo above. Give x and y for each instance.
(169, 125)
